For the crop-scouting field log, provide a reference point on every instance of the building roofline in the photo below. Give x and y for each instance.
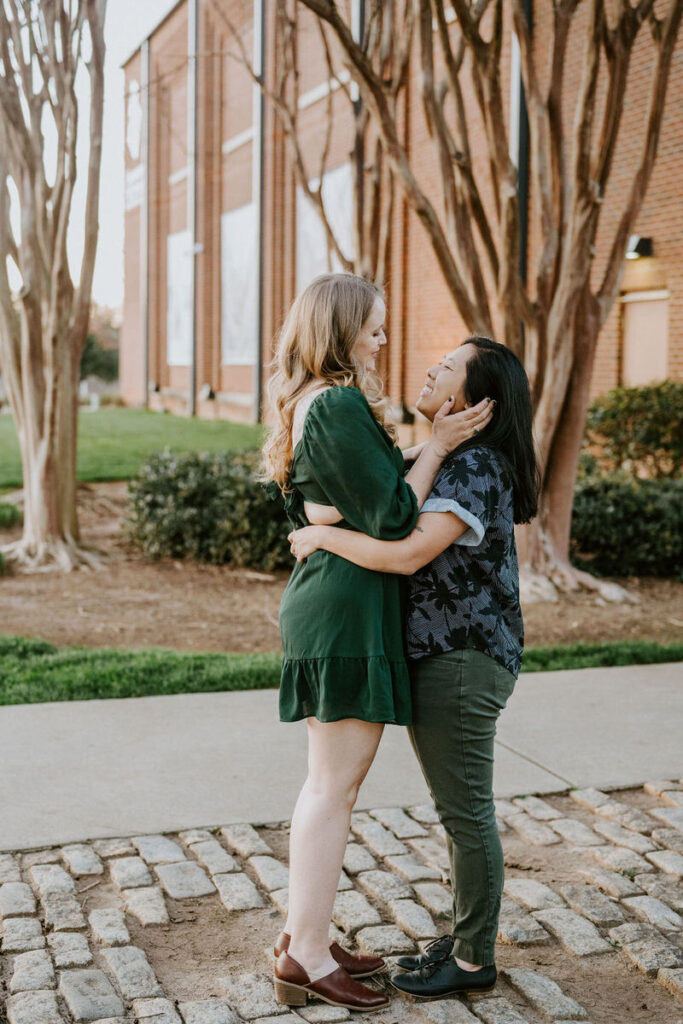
(151, 32)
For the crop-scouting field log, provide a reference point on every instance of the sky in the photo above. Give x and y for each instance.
(126, 25)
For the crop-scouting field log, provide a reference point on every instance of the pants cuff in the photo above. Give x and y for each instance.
(472, 954)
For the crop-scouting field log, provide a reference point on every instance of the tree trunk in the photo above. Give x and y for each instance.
(544, 544)
(47, 432)
(44, 322)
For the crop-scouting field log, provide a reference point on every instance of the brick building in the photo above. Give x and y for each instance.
(218, 238)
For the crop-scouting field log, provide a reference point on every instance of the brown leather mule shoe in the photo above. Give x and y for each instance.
(355, 966)
(293, 987)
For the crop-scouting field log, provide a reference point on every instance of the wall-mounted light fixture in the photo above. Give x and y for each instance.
(207, 393)
(638, 247)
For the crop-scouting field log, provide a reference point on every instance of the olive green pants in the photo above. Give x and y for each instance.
(457, 698)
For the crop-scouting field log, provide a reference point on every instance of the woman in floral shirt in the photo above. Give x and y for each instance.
(464, 637)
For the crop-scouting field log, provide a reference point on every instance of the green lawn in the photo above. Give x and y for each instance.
(112, 443)
(32, 671)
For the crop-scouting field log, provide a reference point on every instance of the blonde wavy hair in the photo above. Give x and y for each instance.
(316, 345)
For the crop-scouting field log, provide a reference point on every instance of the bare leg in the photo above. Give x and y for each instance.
(339, 757)
(466, 965)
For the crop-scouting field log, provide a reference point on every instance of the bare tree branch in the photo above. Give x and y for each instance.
(287, 112)
(455, 202)
(374, 95)
(469, 24)
(94, 13)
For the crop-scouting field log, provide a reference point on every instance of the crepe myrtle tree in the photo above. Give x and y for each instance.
(552, 319)
(385, 43)
(43, 311)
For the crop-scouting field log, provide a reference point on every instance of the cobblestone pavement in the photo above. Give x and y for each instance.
(176, 929)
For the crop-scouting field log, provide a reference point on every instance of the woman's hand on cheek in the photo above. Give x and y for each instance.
(449, 431)
(304, 542)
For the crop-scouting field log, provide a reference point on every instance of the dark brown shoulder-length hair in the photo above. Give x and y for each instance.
(497, 372)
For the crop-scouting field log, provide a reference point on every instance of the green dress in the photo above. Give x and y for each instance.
(342, 628)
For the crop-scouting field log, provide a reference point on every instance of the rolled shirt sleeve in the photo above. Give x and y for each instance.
(473, 536)
(468, 485)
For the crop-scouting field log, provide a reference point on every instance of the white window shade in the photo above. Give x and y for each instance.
(178, 299)
(645, 337)
(239, 287)
(311, 243)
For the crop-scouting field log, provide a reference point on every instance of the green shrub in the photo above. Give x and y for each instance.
(628, 527)
(208, 507)
(113, 401)
(9, 515)
(588, 465)
(99, 362)
(639, 429)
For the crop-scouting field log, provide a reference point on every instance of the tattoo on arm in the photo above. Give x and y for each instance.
(419, 529)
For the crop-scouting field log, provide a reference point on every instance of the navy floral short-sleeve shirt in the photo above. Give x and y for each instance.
(468, 596)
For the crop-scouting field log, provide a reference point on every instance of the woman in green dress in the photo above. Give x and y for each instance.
(335, 459)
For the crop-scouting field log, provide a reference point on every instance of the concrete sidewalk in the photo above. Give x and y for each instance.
(91, 769)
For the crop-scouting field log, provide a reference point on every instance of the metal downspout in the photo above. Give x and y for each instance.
(144, 224)
(192, 39)
(258, 193)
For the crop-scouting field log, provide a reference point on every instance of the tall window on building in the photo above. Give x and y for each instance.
(178, 299)
(239, 286)
(645, 337)
(311, 243)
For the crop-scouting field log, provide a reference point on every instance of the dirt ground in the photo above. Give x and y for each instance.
(135, 602)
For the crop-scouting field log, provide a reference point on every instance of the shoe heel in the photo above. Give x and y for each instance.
(288, 994)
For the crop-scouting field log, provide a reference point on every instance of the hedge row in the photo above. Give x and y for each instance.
(638, 430)
(622, 526)
(208, 507)
(212, 509)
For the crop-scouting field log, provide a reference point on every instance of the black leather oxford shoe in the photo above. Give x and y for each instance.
(444, 978)
(437, 950)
